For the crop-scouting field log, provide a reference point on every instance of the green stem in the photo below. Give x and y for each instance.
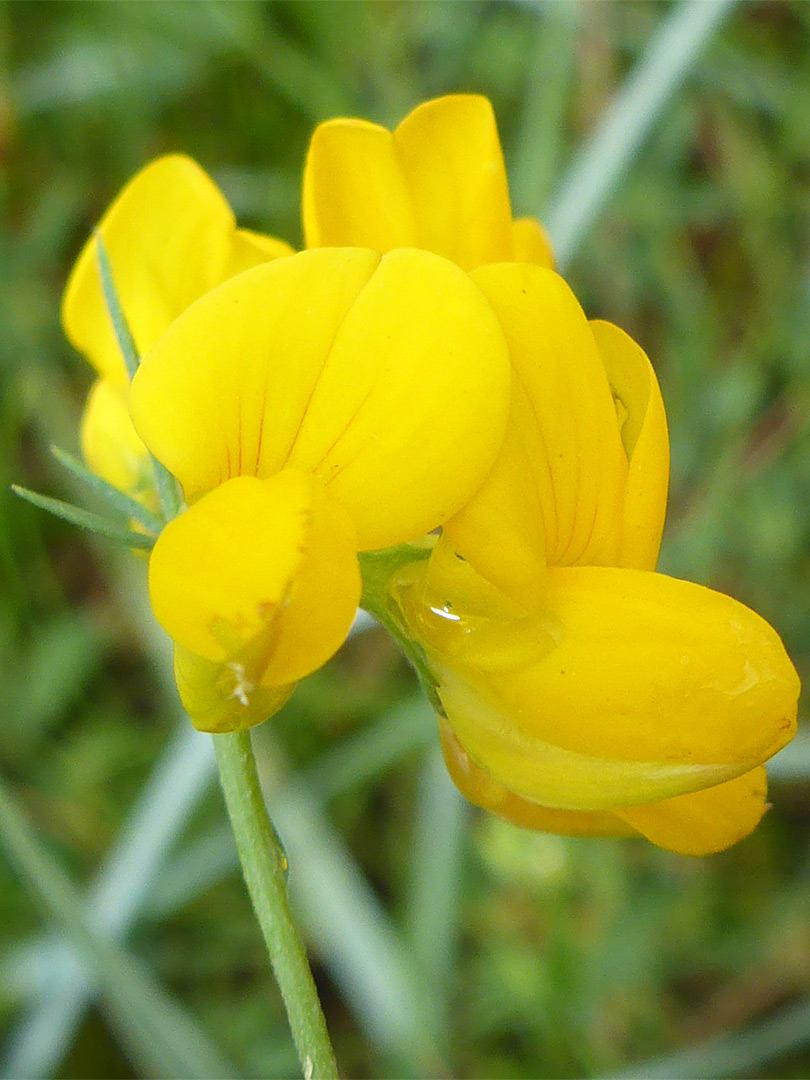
(264, 865)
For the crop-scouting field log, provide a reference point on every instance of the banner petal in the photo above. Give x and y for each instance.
(388, 378)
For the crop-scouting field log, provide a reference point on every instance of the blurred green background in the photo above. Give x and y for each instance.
(445, 942)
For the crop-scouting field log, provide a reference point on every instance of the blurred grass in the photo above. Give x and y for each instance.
(540, 956)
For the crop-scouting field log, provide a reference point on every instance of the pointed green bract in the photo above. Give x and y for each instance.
(85, 519)
(123, 334)
(164, 481)
(118, 500)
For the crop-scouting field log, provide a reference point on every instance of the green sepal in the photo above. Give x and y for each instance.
(117, 500)
(377, 569)
(86, 520)
(123, 334)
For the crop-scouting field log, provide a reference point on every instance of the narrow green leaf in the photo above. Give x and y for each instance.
(85, 519)
(49, 675)
(166, 484)
(123, 335)
(118, 500)
(167, 1037)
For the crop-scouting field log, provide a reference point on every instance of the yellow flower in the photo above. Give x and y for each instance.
(314, 407)
(583, 692)
(311, 407)
(437, 182)
(170, 237)
(423, 368)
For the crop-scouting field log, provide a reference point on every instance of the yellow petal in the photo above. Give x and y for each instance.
(500, 531)
(437, 183)
(259, 575)
(700, 823)
(387, 378)
(248, 249)
(530, 243)
(641, 687)
(461, 616)
(110, 445)
(354, 189)
(646, 442)
(410, 410)
(170, 237)
(483, 790)
(453, 166)
(557, 489)
(704, 822)
(216, 698)
(224, 392)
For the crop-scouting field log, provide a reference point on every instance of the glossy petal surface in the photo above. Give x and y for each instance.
(453, 167)
(700, 823)
(483, 790)
(387, 378)
(640, 688)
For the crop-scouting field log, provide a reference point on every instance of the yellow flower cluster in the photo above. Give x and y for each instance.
(421, 367)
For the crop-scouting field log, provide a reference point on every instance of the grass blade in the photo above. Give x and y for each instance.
(195, 869)
(351, 932)
(164, 1033)
(792, 764)
(740, 1053)
(132, 874)
(538, 145)
(438, 850)
(600, 163)
(408, 728)
(358, 760)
